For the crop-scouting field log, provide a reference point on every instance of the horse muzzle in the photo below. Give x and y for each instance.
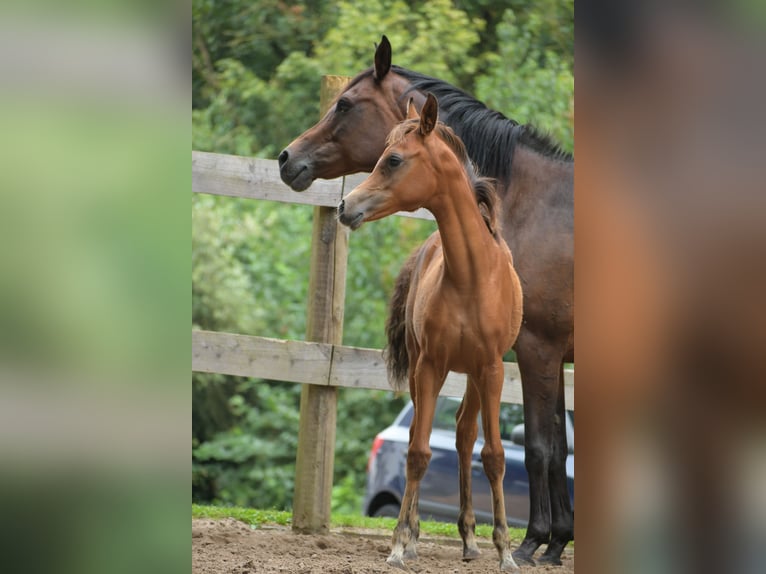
(350, 219)
(296, 172)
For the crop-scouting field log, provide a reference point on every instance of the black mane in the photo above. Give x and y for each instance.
(489, 136)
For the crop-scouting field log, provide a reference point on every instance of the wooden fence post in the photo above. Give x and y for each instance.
(318, 414)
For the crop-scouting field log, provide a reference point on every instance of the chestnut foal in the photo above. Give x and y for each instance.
(459, 310)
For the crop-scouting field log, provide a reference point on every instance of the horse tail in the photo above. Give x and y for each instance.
(395, 353)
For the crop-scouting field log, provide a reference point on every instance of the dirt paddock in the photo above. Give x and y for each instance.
(232, 547)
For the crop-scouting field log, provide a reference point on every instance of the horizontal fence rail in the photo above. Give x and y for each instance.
(236, 176)
(323, 364)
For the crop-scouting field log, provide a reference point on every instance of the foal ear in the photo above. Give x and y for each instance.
(412, 113)
(429, 115)
(382, 59)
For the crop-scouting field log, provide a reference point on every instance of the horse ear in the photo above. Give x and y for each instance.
(382, 59)
(412, 113)
(429, 115)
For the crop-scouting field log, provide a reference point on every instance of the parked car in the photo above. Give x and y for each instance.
(439, 494)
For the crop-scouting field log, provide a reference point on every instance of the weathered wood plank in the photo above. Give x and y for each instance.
(365, 369)
(327, 292)
(254, 178)
(247, 356)
(235, 176)
(323, 364)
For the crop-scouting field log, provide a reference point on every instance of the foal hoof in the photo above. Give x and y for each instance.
(470, 553)
(524, 559)
(397, 562)
(508, 565)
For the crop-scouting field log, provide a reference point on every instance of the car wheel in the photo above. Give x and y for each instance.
(390, 510)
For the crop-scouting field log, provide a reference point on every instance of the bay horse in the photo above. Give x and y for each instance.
(461, 311)
(535, 181)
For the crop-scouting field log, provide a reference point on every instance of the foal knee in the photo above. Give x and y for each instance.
(494, 463)
(417, 463)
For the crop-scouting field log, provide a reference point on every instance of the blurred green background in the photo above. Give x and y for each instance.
(94, 287)
(256, 72)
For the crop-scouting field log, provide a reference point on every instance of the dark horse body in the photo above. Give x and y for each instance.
(535, 181)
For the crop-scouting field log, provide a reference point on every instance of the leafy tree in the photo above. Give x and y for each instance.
(259, 35)
(432, 37)
(521, 71)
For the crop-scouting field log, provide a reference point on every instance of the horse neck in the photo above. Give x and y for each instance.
(519, 162)
(468, 246)
(536, 180)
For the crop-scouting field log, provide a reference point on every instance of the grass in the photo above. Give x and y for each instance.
(257, 518)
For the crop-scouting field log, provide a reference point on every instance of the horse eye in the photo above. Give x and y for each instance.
(342, 106)
(394, 161)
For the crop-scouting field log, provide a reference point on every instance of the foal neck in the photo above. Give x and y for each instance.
(469, 247)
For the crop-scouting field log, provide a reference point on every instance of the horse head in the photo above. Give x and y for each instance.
(352, 134)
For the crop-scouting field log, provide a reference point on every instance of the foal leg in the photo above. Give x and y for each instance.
(429, 382)
(467, 429)
(410, 547)
(493, 457)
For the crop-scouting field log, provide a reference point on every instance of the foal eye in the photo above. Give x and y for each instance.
(343, 105)
(394, 161)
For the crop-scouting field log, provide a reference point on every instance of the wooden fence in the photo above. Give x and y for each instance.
(321, 363)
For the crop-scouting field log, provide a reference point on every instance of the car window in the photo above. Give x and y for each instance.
(510, 416)
(444, 417)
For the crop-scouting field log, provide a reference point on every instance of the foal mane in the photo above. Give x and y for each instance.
(483, 187)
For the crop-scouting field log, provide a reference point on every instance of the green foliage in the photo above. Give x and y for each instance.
(256, 71)
(252, 462)
(253, 117)
(521, 71)
(250, 265)
(259, 34)
(432, 37)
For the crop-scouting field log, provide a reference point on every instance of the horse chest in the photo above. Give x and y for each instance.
(456, 328)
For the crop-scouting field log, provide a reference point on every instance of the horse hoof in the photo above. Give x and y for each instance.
(523, 559)
(410, 554)
(546, 560)
(397, 562)
(470, 554)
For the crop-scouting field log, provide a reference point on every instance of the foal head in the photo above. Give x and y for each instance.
(423, 156)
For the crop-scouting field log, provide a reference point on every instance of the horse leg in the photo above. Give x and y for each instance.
(429, 382)
(539, 379)
(467, 429)
(493, 458)
(562, 520)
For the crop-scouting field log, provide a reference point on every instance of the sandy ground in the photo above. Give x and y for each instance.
(230, 546)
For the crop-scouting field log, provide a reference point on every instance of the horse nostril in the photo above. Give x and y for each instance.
(283, 157)
(341, 206)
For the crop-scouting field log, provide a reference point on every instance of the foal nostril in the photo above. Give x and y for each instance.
(283, 157)
(341, 206)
